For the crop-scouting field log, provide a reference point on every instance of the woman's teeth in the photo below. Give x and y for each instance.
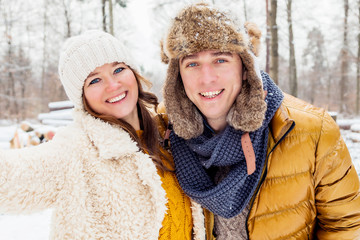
(116, 99)
(210, 94)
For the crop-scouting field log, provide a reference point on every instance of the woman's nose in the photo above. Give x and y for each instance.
(112, 83)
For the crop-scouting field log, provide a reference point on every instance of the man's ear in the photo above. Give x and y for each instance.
(244, 74)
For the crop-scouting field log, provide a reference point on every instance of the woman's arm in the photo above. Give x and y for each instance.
(32, 178)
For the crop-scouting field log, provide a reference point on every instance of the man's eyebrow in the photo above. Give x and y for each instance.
(229, 54)
(215, 54)
(194, 56)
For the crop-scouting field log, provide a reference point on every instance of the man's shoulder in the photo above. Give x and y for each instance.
(300, 110)
(308, 118)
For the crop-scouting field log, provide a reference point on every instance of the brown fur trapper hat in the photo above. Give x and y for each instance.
(200, 27)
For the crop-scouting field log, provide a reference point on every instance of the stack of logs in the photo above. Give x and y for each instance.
(27, 135)
(31, 135)
(355, 128)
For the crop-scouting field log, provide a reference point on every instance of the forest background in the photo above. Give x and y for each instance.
(310, 48)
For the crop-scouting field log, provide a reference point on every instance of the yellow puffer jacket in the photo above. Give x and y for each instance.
(309, 189)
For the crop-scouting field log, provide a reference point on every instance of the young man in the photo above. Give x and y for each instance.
(264, 165)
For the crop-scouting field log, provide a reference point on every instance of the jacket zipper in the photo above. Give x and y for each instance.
(263, 177)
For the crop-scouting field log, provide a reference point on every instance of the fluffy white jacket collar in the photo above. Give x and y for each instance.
(114, 143)
(109, 140)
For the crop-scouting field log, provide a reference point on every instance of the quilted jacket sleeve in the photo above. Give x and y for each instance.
(31, 178)
(337, 186)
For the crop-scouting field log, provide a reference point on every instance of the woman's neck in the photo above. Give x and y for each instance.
(133, 120)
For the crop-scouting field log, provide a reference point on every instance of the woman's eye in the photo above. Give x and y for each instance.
(191, 64)
(118, 70)
(94, 81)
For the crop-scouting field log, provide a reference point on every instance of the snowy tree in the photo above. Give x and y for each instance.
(313, 56)
(292, 59)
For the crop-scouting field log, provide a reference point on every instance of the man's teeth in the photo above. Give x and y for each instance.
(211, 94)
(116, 99)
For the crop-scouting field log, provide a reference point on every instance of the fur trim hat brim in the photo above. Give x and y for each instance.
(201, 27)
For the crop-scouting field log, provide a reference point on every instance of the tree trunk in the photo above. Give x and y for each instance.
(2, 87)
(344, 60)
(267, 41)
(328, 88)
(44, 57)
(9, 92)
(111, 24)
(245, 10)
(292, 59)
(274, 62)
(103, 15)
(22, 81)
(67, 19)
(13, 107)
(358, 70)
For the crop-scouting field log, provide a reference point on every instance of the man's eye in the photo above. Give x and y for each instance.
(221, 61)
(94, 81)
(118, 70)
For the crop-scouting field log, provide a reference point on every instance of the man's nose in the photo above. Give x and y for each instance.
(208, 73)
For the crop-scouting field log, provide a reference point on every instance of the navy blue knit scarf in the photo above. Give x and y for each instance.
(192, 157)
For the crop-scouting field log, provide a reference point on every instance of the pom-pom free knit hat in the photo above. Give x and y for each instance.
(80, 56)
(200, 27)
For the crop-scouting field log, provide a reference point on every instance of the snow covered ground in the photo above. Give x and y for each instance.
(354, 147)
(37, 226)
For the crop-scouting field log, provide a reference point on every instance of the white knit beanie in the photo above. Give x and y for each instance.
(80, 56)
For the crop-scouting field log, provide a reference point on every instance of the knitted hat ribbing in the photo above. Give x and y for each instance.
(200, 27)
(80, 56)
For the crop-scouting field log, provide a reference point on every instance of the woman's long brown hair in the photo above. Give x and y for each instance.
(150, 136)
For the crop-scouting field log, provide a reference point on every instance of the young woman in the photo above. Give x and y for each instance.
(105, 176)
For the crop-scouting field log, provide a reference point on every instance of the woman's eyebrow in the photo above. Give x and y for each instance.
(116, 63)
(91, 74)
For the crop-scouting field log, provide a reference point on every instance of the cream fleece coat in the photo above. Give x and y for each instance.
(95, 178)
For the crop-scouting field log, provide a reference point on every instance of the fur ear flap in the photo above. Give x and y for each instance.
(248, 111)
(186, 119)
(164, 57)
(254, 35)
